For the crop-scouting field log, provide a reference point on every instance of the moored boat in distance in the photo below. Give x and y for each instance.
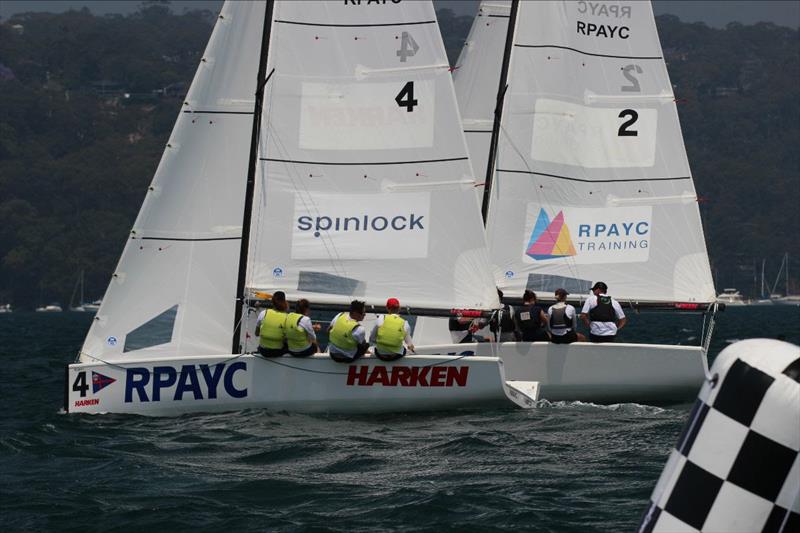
(731, 297)
(51, 308)
(6, 308)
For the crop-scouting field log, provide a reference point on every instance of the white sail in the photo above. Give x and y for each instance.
(477, 77)
(592, 180)
(174, 289)
(365, 189)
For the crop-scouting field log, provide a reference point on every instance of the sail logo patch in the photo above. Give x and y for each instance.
(584, 236)
(550, 239)
(100, 382)
(367, 226)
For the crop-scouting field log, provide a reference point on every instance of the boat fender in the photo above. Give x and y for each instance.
(736, 466)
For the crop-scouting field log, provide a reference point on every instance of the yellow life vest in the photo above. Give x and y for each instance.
(391, 334)
(341, 335)
(272, 333)
(296, 336)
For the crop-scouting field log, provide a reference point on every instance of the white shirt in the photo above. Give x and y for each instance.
(602, 329)
(571, 317)
(373, 336)
(359, 334)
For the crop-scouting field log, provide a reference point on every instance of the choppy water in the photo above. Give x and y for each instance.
(562, 467)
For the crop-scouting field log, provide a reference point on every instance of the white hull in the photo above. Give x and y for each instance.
(581, 371)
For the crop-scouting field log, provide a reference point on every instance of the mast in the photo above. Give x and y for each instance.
(261, 80)
(498, 111)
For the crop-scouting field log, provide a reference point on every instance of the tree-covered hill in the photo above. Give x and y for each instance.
(87, 104)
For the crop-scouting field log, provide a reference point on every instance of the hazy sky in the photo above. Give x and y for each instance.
(715, 13)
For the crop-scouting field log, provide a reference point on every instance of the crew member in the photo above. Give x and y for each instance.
(602, 314)
(390, 333)
(502, 324)
(563, 320)
(531, 319)
(271, 327)
(347, 336)
(301, 336)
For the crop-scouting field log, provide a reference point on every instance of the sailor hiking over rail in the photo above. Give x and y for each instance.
(347, 336)
(391, 333)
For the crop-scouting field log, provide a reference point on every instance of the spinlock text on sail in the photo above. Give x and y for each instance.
(360, 223)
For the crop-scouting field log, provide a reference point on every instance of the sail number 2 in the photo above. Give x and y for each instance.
(632, 117)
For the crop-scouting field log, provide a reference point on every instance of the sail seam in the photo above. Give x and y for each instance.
(189, 239)
(298, 23)
(207, 112)
(477, 131)
(364, 163)
(592, 181)
(584, 53)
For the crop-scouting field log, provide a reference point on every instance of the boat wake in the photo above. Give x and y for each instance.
(627, 408)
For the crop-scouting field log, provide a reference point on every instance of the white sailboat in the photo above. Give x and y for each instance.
(82, 307)
(354, 183)
(787, 298)
(587, 178)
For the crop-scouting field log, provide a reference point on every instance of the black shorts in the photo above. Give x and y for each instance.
(342, 358)
(539, 335)
(602, 338)
(311, 350)
(272, 352)
(567, 338)
(389, 356)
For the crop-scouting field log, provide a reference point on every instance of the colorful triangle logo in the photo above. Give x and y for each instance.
(99, 381)
(550, 239)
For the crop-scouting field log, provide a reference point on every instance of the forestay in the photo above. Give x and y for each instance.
(592, 180)
(477, 77)
(174, 288)
(364, 187)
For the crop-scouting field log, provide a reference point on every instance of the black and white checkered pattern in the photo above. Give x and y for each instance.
(737, 463)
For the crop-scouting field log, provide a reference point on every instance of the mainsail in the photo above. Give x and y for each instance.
(476, 78)
(591, 178)
(173, 291)
(364, 187)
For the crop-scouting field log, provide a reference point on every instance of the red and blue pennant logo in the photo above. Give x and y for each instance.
(100, 382)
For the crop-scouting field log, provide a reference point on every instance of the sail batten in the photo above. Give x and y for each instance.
(591, 180)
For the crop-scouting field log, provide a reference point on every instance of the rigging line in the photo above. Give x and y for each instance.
(584, 53)
(311, 371)
(208, 112)
(188, 240)
(298, 23)
(592, 181)
(477, 131)
(119, 366)
(499, 16)
(363, 164)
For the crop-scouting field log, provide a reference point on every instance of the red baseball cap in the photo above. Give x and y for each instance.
(392, 302)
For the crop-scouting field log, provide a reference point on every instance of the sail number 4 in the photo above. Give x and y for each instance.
(405, 98)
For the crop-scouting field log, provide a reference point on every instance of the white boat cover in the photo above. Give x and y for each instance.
(592, 181)
(174, 289)
(364, 188)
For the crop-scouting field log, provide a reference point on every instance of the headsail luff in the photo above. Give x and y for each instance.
(365, 188)
(592, 180)
(476, 78)
(173, 291)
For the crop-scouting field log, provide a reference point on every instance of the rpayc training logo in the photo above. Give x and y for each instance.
(550, 239)
(587, 235)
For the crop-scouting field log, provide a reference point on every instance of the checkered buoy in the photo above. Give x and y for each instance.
(736, 465)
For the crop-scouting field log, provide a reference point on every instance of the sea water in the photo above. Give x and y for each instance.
(565, 466)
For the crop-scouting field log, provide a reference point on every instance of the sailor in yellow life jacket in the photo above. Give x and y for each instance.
(271, 327)
(347, 336)
(301, 336)
(390, 333)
